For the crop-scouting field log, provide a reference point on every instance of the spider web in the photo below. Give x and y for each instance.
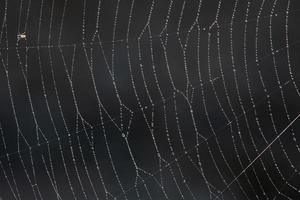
(149, 99)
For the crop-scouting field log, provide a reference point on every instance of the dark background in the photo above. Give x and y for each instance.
(117, 111)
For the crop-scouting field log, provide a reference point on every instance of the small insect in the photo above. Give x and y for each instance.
(21, 36)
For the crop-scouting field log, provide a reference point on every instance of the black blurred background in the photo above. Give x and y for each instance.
(151, 110)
